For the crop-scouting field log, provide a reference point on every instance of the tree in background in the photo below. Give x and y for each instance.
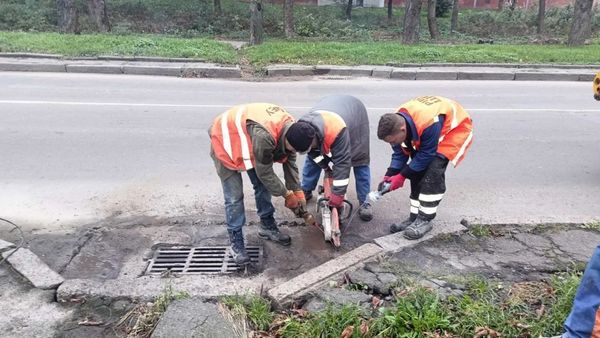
(431, 20)
(349, 10)
(288, 18)
(390, 4)
(412, 16)
(68, 18)
(98, 13)
(217, 7)
(540, 17)
(581, 28)
(256, 22)
(454, 19)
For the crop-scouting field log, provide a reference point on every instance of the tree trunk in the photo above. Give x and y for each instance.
(68, 19)
(454, 19)
(513, 5)
(98, 13)
(288, 18)
(500, 4)
(431, 20)
(540, 18)
(389, 9)
(349, 10)
(256, 22)
(412, 20)
(217, 7)
(581, 29)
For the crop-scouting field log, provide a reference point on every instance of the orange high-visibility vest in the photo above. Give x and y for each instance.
(332, 126)
(596, 87)
(457, 132)
(230, 140)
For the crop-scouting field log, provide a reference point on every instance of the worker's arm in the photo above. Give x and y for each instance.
(316, 156)
(342, 162)
(290, 173)
(430, 139)
(399, 159)
(263, 147)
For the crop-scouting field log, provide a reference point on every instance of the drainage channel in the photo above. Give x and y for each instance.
(198, 260)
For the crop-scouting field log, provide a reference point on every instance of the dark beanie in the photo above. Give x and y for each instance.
(300, 135)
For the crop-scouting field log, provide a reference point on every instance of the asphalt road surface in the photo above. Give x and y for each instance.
(75, 149)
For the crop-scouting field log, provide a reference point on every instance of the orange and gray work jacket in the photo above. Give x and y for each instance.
(251, 136)
(596, 87)
(341, 124)
(436, 126)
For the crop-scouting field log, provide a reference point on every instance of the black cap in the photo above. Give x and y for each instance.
(300, 135)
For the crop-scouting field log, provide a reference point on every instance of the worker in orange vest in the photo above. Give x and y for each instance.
(430, 131)
(596, 87)
(250, 138)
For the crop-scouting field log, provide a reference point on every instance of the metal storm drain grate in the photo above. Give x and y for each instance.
(198, 260)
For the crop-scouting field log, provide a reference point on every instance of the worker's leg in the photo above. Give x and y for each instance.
(268, 227)
(233, 191)
(431, 191)
(415, 189)
(310, 177)
(362, 178)
(584, 319)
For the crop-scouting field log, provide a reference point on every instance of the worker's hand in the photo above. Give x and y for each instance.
(301, 198)
(336, 201)
(291, 201)
(396, 181)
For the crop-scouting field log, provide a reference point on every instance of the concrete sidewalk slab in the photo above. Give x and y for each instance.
(31, 267)
(396, 242)
(362, 71)
(333, 70)
(302, 70)
(144, 69)
(307, 281)
(193, 318)
(488, 75)
(211, 71)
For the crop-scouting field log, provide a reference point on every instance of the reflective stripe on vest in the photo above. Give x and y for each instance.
(457, 132)
(229, 136)
(333, 124)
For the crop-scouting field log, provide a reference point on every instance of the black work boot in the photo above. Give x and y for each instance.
(268, 230)
(397, 227)
(238, 249)
(365, 212)
(418, 228)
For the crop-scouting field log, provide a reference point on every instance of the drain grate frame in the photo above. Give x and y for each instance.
(186, 260)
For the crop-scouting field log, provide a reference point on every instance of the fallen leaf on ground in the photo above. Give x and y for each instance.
(90, 323)
(300, 313)
(347, 333)
(376, 302)
(364, 328)
(485, 332)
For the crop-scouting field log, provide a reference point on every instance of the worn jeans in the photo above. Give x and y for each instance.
(233, 191)
(362, 175)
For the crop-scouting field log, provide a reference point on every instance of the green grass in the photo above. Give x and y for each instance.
(480, 230)
(106, 44)
(377, 53)
(527, 309)
(255, 309)
(295, 52)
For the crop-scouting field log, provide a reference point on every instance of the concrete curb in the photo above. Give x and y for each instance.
(436, 71)
(299, 286)
(31, 267)
(305, 282)
(110, 65)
